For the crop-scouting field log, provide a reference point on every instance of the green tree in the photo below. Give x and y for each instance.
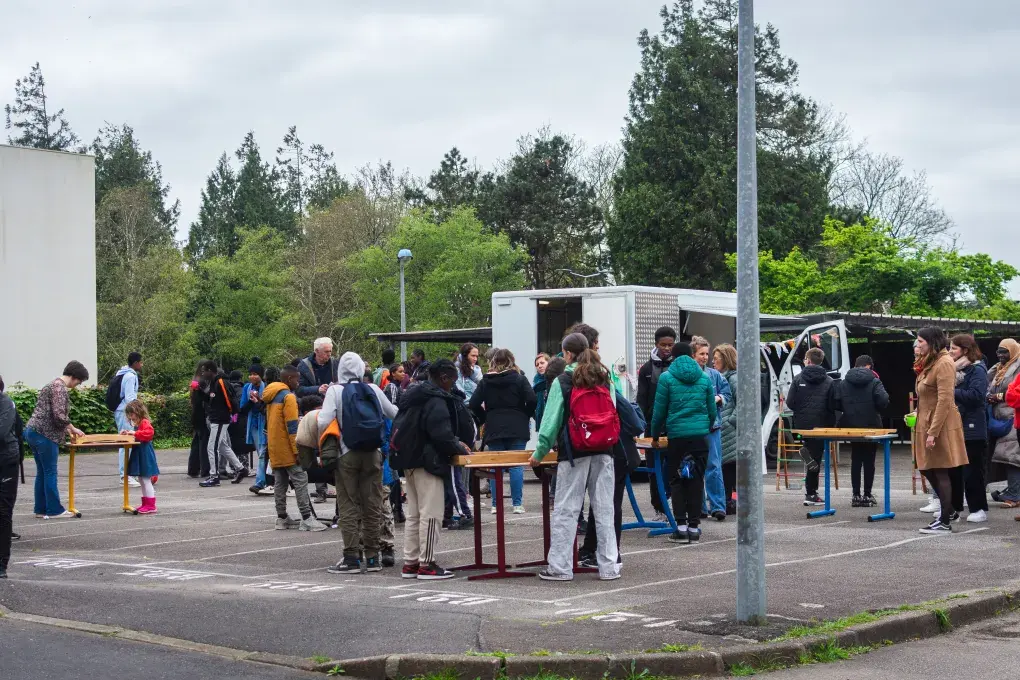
(675, 194)
(243, 305)
(31, 119)
(457, 266)
(213, 233)
(291, 167)
(325, 183)
(257, 199)
(121, 162)
(538, 200)
(453, 185)
(128, 226)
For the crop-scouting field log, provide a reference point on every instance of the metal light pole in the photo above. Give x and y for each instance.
(750, 511)
(403, 257)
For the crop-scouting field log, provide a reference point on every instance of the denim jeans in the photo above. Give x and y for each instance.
(260, 474)
(123, 423)
(715, 490)
(44, 451)
(1012, 490)
(516, 473)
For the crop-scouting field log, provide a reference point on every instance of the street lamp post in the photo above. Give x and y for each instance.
(403, 257)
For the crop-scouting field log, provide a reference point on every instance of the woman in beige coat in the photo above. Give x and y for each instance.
(938, 424)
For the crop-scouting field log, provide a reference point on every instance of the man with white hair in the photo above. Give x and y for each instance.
(317, 372)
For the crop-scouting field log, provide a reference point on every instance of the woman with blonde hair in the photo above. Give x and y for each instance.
(1004, 447)
(939, 424)
(724, 360)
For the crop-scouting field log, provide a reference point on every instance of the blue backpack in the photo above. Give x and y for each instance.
(361, 417)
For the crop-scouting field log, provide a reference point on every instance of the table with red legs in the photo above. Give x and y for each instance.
(491, 464)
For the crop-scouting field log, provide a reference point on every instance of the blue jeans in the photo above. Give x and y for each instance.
(260, 474)
(122, 424)
(516, 473)
(47, 496)
(715, 490)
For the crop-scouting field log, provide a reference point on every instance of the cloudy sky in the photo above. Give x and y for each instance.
(932, 81)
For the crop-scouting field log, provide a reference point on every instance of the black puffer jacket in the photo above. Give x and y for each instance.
(861, 397)
(971, 400)
(433, 414)
(505, 404)
(809, 399)
(10, 449)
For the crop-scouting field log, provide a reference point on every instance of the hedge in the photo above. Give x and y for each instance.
(170, 413)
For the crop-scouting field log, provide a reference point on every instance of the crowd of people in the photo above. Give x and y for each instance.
(382, 441)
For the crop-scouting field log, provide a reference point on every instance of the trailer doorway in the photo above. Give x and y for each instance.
(555, 316)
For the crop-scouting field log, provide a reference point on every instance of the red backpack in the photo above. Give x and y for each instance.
(592, 422)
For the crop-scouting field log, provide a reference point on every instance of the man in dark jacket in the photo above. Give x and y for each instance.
(861, 397)
(423, 445)
(220, 404)
(318, 370)
(648, 381)
(10, 456)
(810, 401)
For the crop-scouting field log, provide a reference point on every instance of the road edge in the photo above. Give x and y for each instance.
(927, 621)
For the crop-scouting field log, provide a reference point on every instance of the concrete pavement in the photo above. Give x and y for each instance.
(210, 567)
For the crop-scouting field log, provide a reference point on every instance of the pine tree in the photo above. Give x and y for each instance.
(121, 163)
(257, 200)
(325, 183)
(214, 232)
(454, 184)
(675, 195)
(291, 167)
(31, 119)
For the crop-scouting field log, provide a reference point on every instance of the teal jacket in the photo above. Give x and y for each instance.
(684, 401)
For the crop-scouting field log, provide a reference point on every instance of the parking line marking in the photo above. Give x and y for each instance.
(145, 527)
(186, 540)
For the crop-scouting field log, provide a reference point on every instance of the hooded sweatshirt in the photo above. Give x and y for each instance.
(434, 413)
(684, 401)
(281, 424)
(504, 403)
(809, 399)
(555, 415)
(861, 397)
(128, 386)
(350, 368)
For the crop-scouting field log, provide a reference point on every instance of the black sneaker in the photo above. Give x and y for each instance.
(372, 564)
(937, 528)
(318, 498)
(719, 516)
(813, 499)
(464, 523)
(349, 565)
(212, 481)
(388, 559)
(225, 476)
(679, 537)
(582, 527)
(857, 502)
(398, 515)
(870, 501)
(241, 474)
(3, 572)
(15, 536)
(433, 572)
(588, 562)
(731, 507)
(693, 534)
(447, 523)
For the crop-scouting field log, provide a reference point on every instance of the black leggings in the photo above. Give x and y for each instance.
(729, 478)
(944, 482)
(862, 458)
(974, 475)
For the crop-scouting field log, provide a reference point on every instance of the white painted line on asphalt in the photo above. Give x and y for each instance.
(335, 541)
(120, 516)
(145, 525)
(185, 540)
(726, 572)
(730, 540)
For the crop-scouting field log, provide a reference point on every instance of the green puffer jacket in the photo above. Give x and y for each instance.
(684, 401)
(728, 416)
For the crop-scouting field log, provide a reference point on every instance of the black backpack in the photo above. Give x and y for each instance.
(113, 396)
(406, 437)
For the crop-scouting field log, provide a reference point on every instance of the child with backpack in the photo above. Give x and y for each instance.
(685, 408)
(142, 461)
(352, 422)
(581, 421)
(221, 404)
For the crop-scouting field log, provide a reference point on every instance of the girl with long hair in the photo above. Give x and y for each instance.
(971, 394)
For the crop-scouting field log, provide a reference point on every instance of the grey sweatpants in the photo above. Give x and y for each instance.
(283, 478)
(220, 454)
(594, 473)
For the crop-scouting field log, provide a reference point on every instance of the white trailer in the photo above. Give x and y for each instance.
(531, 321)
(47, 263)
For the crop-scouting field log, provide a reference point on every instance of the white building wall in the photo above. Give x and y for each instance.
(47, 264)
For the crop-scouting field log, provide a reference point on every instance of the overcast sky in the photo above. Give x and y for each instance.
(932, 81)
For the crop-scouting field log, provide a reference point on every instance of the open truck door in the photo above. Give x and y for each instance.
(613, 317)
(785, 364)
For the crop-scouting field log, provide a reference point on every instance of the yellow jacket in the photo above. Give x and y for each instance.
(281, 425)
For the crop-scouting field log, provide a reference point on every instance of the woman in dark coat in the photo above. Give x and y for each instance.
(971, 394)
(198, 460)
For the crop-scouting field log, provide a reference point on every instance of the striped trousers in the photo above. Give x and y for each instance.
(425, 502)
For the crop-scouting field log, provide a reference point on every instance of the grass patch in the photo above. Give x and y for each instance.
(833, 626)
(540, 652)
(830, 652)
(335, 671)
(445, 674)
(742, 670)
(318, 658)
(759, 663)
(942, 616)
(495, 655)
(675, 649)
(163, 443)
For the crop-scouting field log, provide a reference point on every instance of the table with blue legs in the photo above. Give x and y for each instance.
(850, 434)
(654, 467)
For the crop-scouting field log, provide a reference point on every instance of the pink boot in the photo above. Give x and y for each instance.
(148, 506)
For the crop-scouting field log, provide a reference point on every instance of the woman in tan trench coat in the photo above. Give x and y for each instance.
(939, 424)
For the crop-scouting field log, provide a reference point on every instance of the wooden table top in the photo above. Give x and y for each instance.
(500, 459)
(98, 441)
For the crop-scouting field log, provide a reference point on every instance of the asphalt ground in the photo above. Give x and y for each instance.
(210, 567)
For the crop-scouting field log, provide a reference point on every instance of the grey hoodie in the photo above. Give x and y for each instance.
(351, 368)
(128, 386)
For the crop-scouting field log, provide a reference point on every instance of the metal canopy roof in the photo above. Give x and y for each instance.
(454, 335)
(864, 321)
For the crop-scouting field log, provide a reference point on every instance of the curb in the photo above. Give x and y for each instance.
(934, 619)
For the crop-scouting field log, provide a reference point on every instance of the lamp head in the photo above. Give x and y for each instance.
(404, 255)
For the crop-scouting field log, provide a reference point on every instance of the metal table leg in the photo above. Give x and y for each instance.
(829, 510)
(887, 455)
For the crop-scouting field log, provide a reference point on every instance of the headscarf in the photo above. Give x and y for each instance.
(1014, 353)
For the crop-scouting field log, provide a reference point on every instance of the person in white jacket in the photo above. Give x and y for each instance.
(358, 470)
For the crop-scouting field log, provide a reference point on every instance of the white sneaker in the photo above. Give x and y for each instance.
(66, 514)
(283, 524)
(311, 524)
(977, 517)
(660, 517)
(492, 510)
(133, 481)
(933, 505)
(519, 510)
(266, 491)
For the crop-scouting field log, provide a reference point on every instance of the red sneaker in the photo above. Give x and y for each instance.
(409, 571)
